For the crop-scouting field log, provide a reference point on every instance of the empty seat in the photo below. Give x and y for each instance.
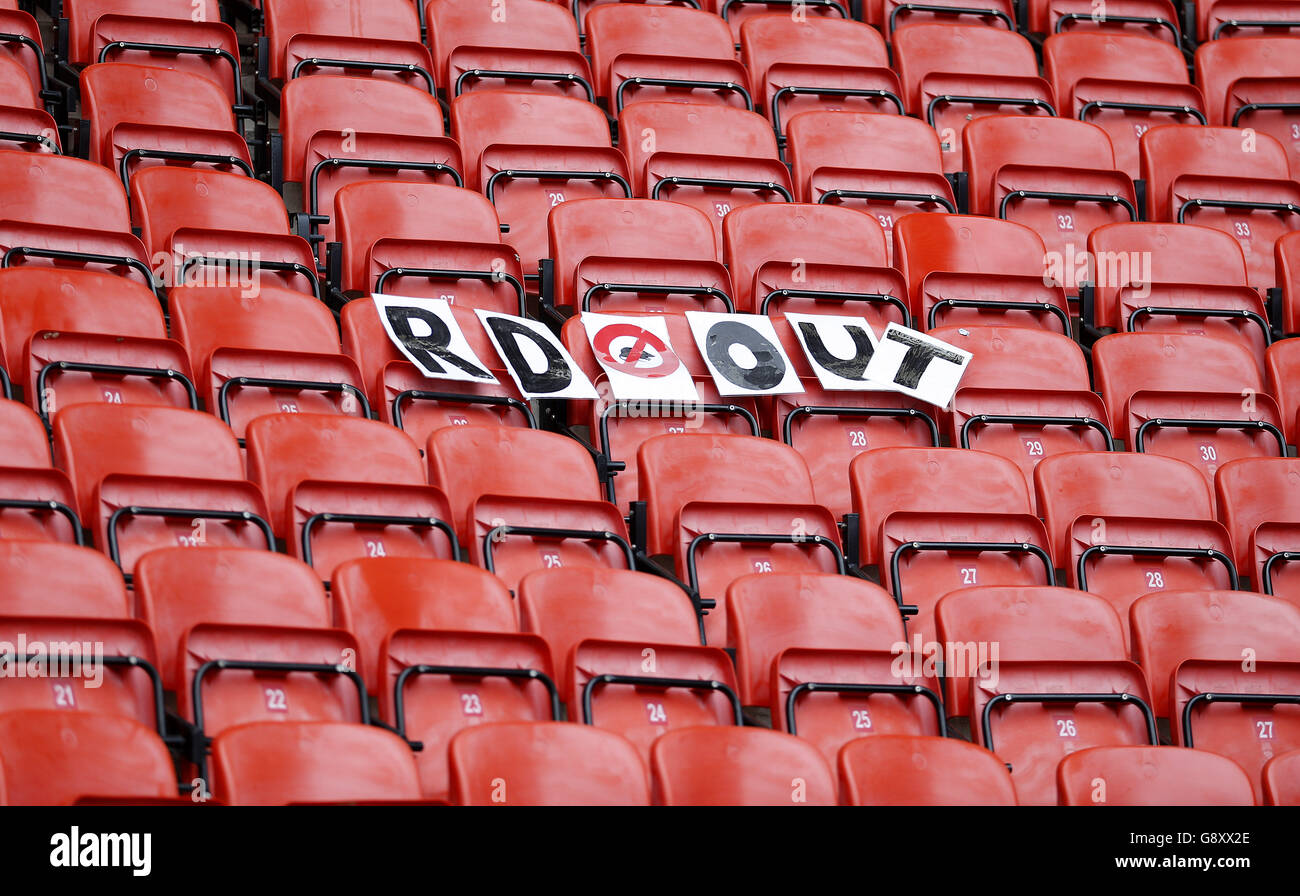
(216, 228)
(812, 259)
(273, 352)
(1282, 376)
(174, 33)
(903, 770)
(1286, 256)
(1196, 398)
(1125, 524)
(1259, 504)
(1232, 18)
(1123, 83)
(887, 166)
(1025, 395)
(44, 192)
(54, 757)
(527, 45)
(139, 113)
(529, 152)
(1251, 82)
(1149, 18)
(823, 652)
(36, 501)
(816, 63)
(709, 509)
(1224, 667)
(523, 499)
(642, 52)
(714, 158)
(725, 766)
(23, 44)
(425, 239)
(378, 37)
(635, 255)
(1150, 776)
(405, 397)
(1057, 177)
(1231, 179)
(627, 645)
(943, 66)
(1282, 780)
(1179, 278)
(937, 519)
(342, 130)
(84, 336)
(278, 763)
(342, 487)
(965, 270)
(149, 477)
(545, 764)
(1042, 672)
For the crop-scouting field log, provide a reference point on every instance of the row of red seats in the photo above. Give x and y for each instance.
(246, 636)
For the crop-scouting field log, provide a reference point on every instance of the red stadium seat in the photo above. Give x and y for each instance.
(148, 477)
(1161, 386)
(430, 239)
(1149, 18)
(44, 192)
(1231, 18)
(279, 763)
(342, 487)
(977, 271)
(545, 764)
(1251, 82)
(210, 227)
(635, 255)
(523, 499)
(439, 646)
(529, 152)
(1126, 524)
(526, 45)
(1057, 177)
(886, 166)
(174, 33)
(641, 52)
(82, 336)
(139, 113)
(379, 37)
(1123, 83)
(23, 44)
(797, 65)
(1229, 665)
(1286, 256)
(907, 770)
(1282, 780)
(1025, 395)
(937, 519)
(53, 757)
(942, 66)
(1179, 278)
(822, 652)
(1060, 679)
(738, 12)
(1282, 376)
(718, 521)
(1259, 505)
(1231, 179)
(627, 645)
(713, 158)
(1150, 776)
(726, 766)
(343, 130)
(275, 352)
(36, 501)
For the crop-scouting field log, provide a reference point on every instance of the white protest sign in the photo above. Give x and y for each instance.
(838, 349)
(638, 358)
(743, 353)
(917, 365)
(537, 362)
(426, 332)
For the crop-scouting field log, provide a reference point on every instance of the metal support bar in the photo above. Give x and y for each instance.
(411, 395)
(694, 684)
(498, 533)
(1018, 419)
(1123, 699)
(399, 688)
(454, 275)
(372, 519)
(787, 430)
(903, 690)
(1139, 441)
(1081, 569)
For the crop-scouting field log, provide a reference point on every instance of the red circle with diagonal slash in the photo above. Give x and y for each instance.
(604, 338)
